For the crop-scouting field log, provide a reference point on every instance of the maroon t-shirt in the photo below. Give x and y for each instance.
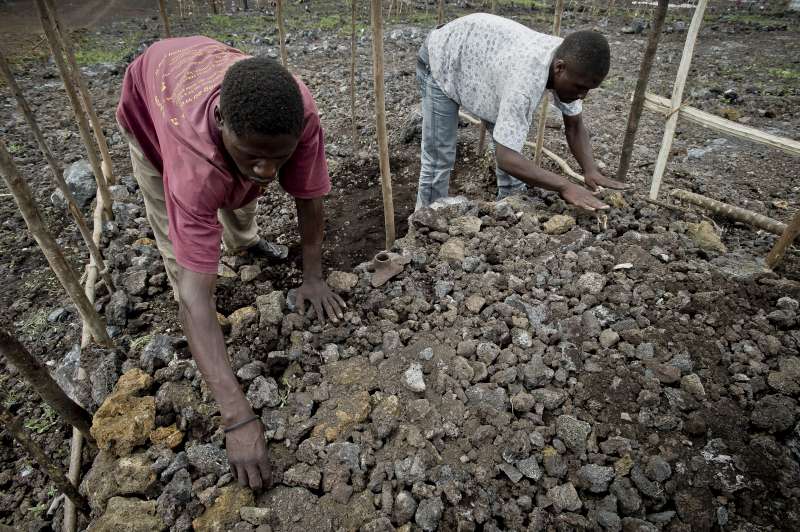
(168, 99)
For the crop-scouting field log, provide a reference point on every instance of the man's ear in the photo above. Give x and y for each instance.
(218, 117)
(559, 66)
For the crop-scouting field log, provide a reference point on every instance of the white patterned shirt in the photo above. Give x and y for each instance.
(496, 69)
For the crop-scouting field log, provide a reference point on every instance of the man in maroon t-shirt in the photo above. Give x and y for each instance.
(209, 128)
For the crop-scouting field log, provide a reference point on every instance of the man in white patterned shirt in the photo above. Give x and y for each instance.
(498, 70)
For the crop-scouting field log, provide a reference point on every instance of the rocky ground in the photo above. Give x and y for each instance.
(529, 368)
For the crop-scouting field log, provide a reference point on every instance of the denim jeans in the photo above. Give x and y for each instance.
(439, 140)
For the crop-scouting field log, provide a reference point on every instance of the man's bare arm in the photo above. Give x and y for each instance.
(246, 446)
(523, 169)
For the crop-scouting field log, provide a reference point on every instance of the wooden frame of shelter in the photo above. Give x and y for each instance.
(675, 108)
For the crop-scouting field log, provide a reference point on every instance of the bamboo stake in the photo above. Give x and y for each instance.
(717, 123)
(80, 117)
(66, 45)
(641, 86)
(57, 177)
(69, 280)
(214, 6)
(677, 98)
(786, 239)
(44, 385)
(731, 211)
(281, 32)
(164, 18)
(440, 13)
(380, 118)
(76, 450)
(354, 127)
(537, 157)
(13, 425)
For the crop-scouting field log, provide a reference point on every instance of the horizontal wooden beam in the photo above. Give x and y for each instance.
(728, 127)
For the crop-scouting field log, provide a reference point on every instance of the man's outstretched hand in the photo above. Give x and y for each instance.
(247, 454)
(596, 179)
(580, 197)
(322, 299)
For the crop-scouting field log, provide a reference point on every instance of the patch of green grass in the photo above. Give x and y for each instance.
(530, 4)
(330, 22)
(43, 423)
(139, 343)
(760, 21)
(37, 510)
(35, 323)
(785, 73)
(14, 148)
(92, 49)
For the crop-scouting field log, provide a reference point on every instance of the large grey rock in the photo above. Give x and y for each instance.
(774, 413)
(404, 508)
(270, 308)
(208, 458)
(263, 391)
(564, 497)
(429, 513)
(488, 394)
(80, 182)
(595, 478)
(118, 308)
(414, 379)
(157, 353)
(573, 432)
(303, 475)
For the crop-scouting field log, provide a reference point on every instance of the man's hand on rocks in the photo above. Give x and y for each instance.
(322, 299)
(580, 197)
(595, 179)
(247, 454)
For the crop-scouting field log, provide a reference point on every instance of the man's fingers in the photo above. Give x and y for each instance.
(339, 300)
(300, 303)
(254, 475)
(241, 475)
(329, 309)
(318, 310)
(335, 303)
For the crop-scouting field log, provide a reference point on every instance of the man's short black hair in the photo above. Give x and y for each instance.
(586, 53)
(259, 96)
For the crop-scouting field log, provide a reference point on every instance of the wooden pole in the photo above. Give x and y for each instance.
(214, 6)
(83, 125)
(69, 280)
(677, 98)
(55, 168)
(354, 126)
(731, 211)
(13, 425)
(723, 125)
(281, 32)
(44, 385)
(380, 118)
(786, 239)
(641, 87)
(164, 18)
(537, 157)
(440, 13)
(66, 45)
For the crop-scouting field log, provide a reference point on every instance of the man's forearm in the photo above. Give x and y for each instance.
(523, 169)
(310, 215)
(207, 345)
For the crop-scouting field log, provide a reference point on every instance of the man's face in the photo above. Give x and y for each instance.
(570, 86)
(257, 157)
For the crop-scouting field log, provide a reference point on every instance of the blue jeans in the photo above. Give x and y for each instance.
(439, 140)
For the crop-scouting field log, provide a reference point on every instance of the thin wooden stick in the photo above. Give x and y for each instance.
(677, 98)
(66, 44)
(69, 280)
(786, 239)
(44, 385)
(440, 13)
(281, 32)
(13, 425)
(354, 125)
(662, 105)
(380, 118)
(641, 86)
(83, 126)
(74, 474)
(537, 157)
(164, 18)
(55, 168)
(731, 211)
